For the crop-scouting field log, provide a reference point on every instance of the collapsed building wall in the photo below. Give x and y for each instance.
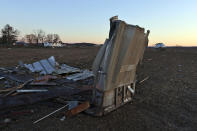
(115, 65)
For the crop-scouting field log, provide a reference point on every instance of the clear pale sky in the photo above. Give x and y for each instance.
(173, 22)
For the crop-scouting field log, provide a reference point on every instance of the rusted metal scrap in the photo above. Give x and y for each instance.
(80, 108)
(44, 81)
(45, 78)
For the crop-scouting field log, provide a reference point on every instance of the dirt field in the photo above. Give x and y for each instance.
(166, 101)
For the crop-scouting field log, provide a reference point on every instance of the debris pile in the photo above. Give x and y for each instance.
(109, 86)
(41, 81)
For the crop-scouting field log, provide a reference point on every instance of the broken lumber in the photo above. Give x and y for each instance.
(19, 87)
(25, 99)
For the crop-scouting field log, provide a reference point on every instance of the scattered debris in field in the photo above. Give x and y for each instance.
(7, 120)
(50, 114)
(80, 108)
(45, 66)
(65, 69)
(63, 118)
(1, 78)
(115, 66)
(30, 91)
(72, 104)
(149, 59)
(144, 79)
(50, 66)
(110, 85)
(16, 88)
(80, 76)
(45, 78)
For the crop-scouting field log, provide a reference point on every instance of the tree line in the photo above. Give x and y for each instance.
(9, 35)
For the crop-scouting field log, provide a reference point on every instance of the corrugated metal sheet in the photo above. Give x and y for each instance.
(66, 69)
(45, 66)
(80, 76)
(48, 66)
(115, 65)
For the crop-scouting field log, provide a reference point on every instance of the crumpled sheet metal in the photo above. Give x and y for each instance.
(45, 66)
(48, 66)
(66, 69)
(80, 76)
(115, 66)
(116, 62)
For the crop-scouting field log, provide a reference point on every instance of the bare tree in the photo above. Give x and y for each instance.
(22, 39)
(56, 38)
(31, 38)
(9, 34)
(53, 38)
(40, 35)
(1, 40)
(49, 38)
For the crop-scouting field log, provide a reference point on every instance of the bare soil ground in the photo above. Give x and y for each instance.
(166, 101)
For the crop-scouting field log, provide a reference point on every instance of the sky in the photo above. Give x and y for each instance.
(172, 22)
